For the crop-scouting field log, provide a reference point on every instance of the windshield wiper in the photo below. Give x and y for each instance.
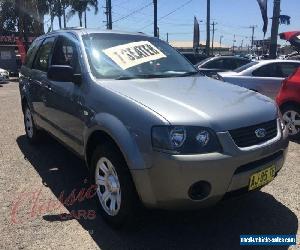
(144, 76)
(125, 77)
(189, 73)
(148, 76)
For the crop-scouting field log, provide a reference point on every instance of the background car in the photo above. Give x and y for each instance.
(194, 58)
(264, 77)
(288, 100)
(212, 65)
(4, 75)
(293, 37)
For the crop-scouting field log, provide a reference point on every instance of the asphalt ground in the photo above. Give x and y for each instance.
(37, 211)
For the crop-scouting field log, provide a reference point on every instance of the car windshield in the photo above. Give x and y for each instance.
(121, 56)
(246, 66)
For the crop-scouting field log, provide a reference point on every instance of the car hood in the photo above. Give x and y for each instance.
(198, 101)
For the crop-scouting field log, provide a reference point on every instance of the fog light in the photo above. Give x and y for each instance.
(199, 190)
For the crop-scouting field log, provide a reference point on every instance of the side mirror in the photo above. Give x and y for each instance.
(63, 73)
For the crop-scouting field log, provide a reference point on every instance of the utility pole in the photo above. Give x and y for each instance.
(252, 36)
(221, 37)
(155, 18)
(241, 45)
(233, 44)
(213, 37)
(108, 15)
(167, 37)
(207, 27)
(274, 31)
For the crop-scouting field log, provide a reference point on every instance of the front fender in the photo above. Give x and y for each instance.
(121, 135)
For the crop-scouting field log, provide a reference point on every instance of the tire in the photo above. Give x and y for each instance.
(117, 182)
(33, 134)
(291, 115)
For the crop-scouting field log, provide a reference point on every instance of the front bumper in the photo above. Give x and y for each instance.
(167, 183)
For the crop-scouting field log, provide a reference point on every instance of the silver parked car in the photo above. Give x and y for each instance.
(149, 127)
(264, 77)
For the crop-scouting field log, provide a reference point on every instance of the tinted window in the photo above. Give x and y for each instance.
(31, 53)
(246, 66)
(225, 63)
(269, 70)
(288, 68)
(229, 64)
(41, 61)
(214, 64)
(241, 62)
(65, 53)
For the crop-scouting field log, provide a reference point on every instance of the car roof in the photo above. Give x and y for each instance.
(276, 60)
(229, 57)
(83, 31)
(258, 65)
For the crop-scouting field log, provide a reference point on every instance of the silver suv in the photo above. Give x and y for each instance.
(150, 128)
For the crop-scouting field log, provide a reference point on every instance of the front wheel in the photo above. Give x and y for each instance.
(291, 117)
(116, 193)
(32, 132)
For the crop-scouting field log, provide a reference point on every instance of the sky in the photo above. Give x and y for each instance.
(233, 17)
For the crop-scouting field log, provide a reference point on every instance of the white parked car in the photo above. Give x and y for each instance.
(4, 75)
(264, 77)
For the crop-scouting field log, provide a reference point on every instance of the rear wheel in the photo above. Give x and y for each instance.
(291, 117)
(32, 132)
(116, 194)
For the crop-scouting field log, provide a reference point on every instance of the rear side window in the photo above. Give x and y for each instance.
(41, 61)
(31, 52)
(240, 63)
(214, 64)
(230, 64)
(269, 70)
(288, 68)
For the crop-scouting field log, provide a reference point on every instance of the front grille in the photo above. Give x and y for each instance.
(246, 137)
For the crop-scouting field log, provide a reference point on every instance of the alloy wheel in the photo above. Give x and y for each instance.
(28, 123)
(108, 186)
(292, 121)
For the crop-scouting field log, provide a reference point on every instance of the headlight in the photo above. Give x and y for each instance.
(177, 136)
(184, 140)
(282, 122)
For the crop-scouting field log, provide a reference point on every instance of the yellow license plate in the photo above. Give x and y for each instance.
(261, 178)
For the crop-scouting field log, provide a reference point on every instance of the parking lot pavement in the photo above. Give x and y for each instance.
(32, 179)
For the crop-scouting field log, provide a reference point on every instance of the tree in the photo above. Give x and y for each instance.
(8, 17)
(80, 7)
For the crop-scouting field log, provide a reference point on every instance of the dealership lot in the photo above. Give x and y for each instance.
(33, 177)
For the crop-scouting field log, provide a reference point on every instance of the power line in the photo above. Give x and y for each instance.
(168, 14)
(132, 13)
